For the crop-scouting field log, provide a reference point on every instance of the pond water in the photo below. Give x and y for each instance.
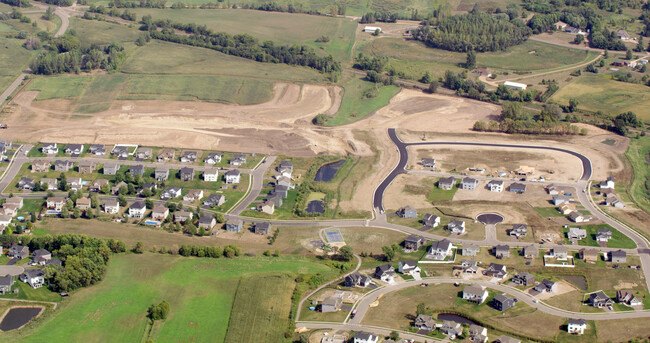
(19, 316)
(578, 280)
(456, 318)
(315, 206)
(326, 173)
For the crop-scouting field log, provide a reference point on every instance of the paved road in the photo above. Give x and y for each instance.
(257, 184)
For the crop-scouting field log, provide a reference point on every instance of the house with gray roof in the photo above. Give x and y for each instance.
(475, 293)
(546, 286)
(518, 230)
(618, 256)
(469, 183)
(440, 250)
(517, 187)
(470, 249)
(357, 280)
(136, 170)
(234, 225)
(33, 277)
(446, 183)
(501, 251)
(523, 279)
(496, 270)
(5, 284)
(502, 302)
(262, 228)
(456, 226)
(63, 166)
(424, 322)
(431, 220)
(110, 168)
(186, 174)
(161, 174)
(407, 212)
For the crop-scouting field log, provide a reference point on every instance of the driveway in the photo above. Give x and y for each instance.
(11, 270)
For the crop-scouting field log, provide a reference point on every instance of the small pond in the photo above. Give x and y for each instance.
(316, 206)
(456, 318)
(326, 173)
(18, 316)
(578, 280)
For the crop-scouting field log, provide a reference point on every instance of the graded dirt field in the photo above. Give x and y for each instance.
(399, 193)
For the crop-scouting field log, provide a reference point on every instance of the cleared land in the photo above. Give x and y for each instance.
(115, 309)
(597, 93)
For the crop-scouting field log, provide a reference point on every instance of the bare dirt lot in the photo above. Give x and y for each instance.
(396, 196)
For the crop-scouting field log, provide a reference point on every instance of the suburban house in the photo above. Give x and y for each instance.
(431, 220)
(470, 249)
(613, 200)
(554, 190)
(384, 272)
(428, 162)
(5, 284)
(609, 183)
(446, 183)
(182, 216)
(136, 170)
(87, 167)
(441, 249)
(523, 279)
(284, 181)
(75, 183)
(560, 199)
(424, 322)
(267, 207)
(16, 201)
(74, 149)
(18, 251)
(232, 176)
(115, 190)
(502, 302)
(364, 337)
(407, 212)
(496, 270)
(262, 228)
(281, 191)
(111, 168)
(161, 174)
(408, 267)
(159, 213)
(215, 200)
(627, 298)
(456, 226)
(213, 158)
(26, 183)
(530, 251)
(603, 235)
(111, 206)
(211, 175)
(137, 210)
(207, 221)
(588, 255)
(546, 286)
(496, 186)
(517, 188)
(469, 266)
(97, 185)
(477, 333)
(576, 233)
(518, 230)
(475, 293)
(501, 251)
(234, 225)
(238, 160)
(566, 208)
(357, 280)
(285, 165)
(55, 203)
(40, 166)
(41, 256)
(451, 328)
(144, 153)
(50, 183)
(50, 148)
(506, 339)
(83, 204)
(33, 277)
(120, 151)
(97, 149)
(560, 25)
(560, 253)
(5, 220)
(170, 193)
(618, 256)
(468, 183)
(576, 326)
(331, 304)
(599, 300)
(63, 166)
(165, 155)
(577, 217)
(9, 210)
(193, 195)
(413, 242)
(189, 156)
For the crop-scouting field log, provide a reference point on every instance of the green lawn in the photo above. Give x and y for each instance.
(637, 154)
(598, 93)
(439, 194)
(547, 212)
(201, 293)
(355, 106)
(26, 292)
(619, 240)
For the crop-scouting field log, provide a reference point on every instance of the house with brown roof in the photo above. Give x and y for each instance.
(87, 167)
(266, 207)
(159, 213)
(166, 155)
(41, 166)
(588, 255)
(182, 216)
(83, 204)
(193, 195)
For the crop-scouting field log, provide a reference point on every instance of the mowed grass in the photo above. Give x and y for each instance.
(618, 241)
(638, 154)
(355, 106)
(532, 56)
(98, 32)
(281, 28)
(168, 58)
(598, 93)
(200, 291)
(261, 316)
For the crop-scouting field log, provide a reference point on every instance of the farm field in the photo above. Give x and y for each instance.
(99, 32)
(281, 28)
(115, 309)
(597, 93)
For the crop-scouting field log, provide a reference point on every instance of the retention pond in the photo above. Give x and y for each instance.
(327, 172)
(18, 316)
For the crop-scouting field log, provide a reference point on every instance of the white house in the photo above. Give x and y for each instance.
(50, 148)
(111, 206)
(232, 176)
(496, 186)
(456, 226)
(515, 86)
(441, 249)
(137, 209)
(372, 29)
(211, 175)
(365, 337)
(475, 293)
(213, 158)
(408, 267)
(577, 326)
(609, 183)
(33, 277)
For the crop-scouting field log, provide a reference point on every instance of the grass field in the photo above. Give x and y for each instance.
(597, 93)
(97, 32)
(13, 60)
(619, 240)
(59, 87)
(200, 291)
(638, 154)
(548, 212)
(100, 93)
(439, 194)
(355, 106)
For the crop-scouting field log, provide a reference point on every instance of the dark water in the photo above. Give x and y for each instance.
(577, 280)
(454, 317)
(326, 173)
(18, 316)
(315, 206)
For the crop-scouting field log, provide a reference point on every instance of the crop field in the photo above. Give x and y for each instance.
(169, 58)
(355, 106)
(98, 32)
(13, 59)
(281, 28)
(597, 93)
(200, 291)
